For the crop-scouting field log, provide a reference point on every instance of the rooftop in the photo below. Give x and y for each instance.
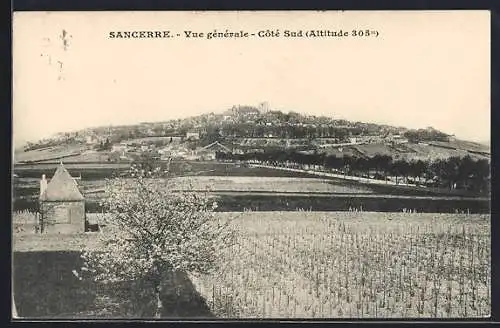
(62, 187)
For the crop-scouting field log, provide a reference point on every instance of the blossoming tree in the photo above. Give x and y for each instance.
(151, 232)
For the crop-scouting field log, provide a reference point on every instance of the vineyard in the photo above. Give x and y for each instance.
(330, 265)
(353, 265)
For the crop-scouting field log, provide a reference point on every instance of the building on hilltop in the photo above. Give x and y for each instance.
(264, 107)
(121, 147)
(62, 205)
(192, 135)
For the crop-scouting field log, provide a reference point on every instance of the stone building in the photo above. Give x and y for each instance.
(62, 205)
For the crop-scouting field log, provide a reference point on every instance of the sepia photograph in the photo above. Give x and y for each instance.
(277, 165)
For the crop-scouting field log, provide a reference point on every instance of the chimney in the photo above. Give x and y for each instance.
(43, 184)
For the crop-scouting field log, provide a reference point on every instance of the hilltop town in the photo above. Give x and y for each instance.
(244, 129)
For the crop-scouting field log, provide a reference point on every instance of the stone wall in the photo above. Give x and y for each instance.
(64, 217)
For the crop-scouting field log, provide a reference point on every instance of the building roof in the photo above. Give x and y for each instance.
(62, 187)
(215, 145)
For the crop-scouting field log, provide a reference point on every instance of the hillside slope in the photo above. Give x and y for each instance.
(247, 128)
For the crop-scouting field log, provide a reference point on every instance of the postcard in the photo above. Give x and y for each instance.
(251, 165)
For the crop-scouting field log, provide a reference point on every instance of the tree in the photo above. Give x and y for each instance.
(332, 162)
(107, 144)
(451, 172)
(153, 233)
(466, 169)
(400, 168)
(437, 171)
(418, 168)
(347, 163)
(482, 176)
(382, 164)
(212, 135)
(404, 168)
(359, 165)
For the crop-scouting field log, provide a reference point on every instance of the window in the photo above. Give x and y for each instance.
(62, 214)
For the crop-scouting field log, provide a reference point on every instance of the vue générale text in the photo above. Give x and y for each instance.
(229, 34)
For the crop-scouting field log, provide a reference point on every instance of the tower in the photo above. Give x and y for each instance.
(264, 107)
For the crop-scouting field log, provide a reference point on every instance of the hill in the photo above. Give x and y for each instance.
(248, 128)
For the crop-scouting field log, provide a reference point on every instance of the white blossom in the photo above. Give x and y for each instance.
(150, 230)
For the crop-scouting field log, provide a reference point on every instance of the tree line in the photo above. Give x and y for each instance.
(287, 131)
(453, 172)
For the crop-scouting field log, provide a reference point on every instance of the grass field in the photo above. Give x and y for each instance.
(49, 153)
(465, 145)
(412, 151)
(268, 184)
(49, 168)
(429, 152)
(54, 292)
(375, 149)
(230, 183)
(350, 265)
(86, 156)
(310, 265)
(282, 193)
(27, 186)
(104, 170)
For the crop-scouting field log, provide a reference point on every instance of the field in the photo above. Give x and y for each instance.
(465, 145)
(50, 168)
(103, 170)
(429, 152)
(285, 264)
(413, 151)
(231, 183)
(301, 265)
(49, 153)
(153, 139)
(375, 149)
(283, 191)
(268, 184)
(346, 265)
(54, 292)
(86, 156)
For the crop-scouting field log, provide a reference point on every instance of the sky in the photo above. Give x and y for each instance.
(423, 69)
